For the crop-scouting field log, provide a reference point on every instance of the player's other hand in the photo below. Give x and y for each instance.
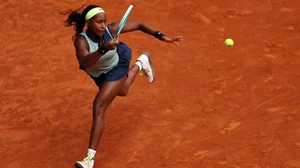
(172, 40)
(112, 44)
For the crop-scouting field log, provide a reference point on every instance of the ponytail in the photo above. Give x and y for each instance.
(76, 19)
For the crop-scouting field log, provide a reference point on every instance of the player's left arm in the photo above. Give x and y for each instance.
(140, 26)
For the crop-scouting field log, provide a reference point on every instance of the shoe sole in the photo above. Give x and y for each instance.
(152, 70)
(77, 165)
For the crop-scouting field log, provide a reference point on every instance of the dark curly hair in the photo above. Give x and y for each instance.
(76, 19)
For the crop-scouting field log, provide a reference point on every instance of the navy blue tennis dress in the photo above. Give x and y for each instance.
(113, 65)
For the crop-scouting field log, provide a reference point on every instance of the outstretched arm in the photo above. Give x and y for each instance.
(132, 26)
(140, 26)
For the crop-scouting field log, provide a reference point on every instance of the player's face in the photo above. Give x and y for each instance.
(97, 24)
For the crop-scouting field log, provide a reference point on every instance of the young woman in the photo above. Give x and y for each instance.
(106, 60)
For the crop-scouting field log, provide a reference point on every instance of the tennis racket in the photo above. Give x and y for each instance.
(123, 21)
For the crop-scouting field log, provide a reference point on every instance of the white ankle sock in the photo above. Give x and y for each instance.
(139, 64)
(91, 153)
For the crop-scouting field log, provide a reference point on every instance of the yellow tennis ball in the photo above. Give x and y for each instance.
(229, 42)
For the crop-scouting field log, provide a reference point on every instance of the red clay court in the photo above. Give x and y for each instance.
(210, 107)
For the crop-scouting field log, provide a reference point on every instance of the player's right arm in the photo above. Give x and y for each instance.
(87, 59)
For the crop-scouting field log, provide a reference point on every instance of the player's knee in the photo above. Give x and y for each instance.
(99, 108)
(123, 92)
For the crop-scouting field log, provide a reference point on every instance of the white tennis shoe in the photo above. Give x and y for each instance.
(87, 162)
(147, 69)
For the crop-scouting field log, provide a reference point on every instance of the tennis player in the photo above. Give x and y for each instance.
(106, 60)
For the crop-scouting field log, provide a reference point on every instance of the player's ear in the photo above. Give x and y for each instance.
(87, 23)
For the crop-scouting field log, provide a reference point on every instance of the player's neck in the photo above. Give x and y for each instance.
(92, 36)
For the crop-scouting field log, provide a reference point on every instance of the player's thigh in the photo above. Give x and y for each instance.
(108, 92)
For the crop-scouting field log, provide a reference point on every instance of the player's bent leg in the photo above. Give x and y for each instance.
(143, 64)
(133, 71)
(101, 102)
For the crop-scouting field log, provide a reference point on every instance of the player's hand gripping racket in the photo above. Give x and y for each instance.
(123, 21)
